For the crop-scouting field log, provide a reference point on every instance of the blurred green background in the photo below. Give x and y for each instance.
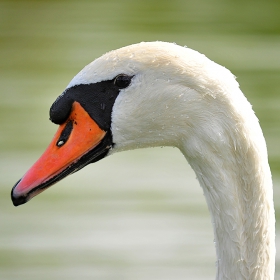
(140, 214)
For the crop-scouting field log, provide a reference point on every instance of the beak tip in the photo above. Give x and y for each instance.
(17, 199)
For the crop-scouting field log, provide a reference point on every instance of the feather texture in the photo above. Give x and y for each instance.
(180, 98)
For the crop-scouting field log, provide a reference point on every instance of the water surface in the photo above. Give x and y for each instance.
(140, 214)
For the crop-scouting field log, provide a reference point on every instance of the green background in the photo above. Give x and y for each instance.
(140, 214)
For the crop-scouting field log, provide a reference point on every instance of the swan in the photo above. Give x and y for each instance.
(161, 94)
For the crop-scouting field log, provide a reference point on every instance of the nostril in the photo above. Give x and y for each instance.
(60, 143)
(65, 134)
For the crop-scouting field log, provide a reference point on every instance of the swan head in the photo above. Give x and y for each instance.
(143, 95)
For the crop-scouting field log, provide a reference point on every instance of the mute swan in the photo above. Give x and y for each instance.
(160, 94)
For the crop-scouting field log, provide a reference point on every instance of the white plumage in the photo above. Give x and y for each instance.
(178, 97)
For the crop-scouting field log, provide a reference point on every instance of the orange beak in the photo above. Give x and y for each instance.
(78, 142)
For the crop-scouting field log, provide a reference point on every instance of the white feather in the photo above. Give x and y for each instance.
(178, 97)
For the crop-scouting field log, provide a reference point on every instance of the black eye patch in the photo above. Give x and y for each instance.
(97, 99)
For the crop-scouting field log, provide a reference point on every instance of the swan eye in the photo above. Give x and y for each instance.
(122, 81)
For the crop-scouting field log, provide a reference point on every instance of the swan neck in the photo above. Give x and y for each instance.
(236, 181)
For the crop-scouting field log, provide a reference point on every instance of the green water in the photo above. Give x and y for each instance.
(141, 225)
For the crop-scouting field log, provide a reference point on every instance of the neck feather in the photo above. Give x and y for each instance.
(196, 105)
(233, 170)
